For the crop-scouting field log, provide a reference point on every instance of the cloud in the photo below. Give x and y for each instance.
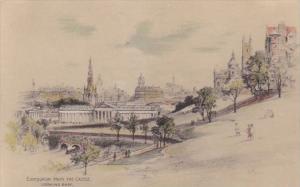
(71, 25)
(228, 33)
(222, 42)
(71, 64)
(206, 49)
(148, 44)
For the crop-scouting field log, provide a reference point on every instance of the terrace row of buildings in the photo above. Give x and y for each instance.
(87, 114)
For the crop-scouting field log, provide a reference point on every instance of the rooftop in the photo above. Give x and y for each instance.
(76, 107)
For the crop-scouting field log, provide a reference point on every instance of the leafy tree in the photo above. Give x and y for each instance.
(209, 104)
(11, 137)
(256, 75)
(188, 100)
(29, 142)
(27, 132)
(145, 129)
(116, 124)
(166, 126)
(207, 101)
(157, 135)
(67, 101)
(199, 105)
(233, 90)
(36, 130)
(132, 124)
(90, 153)
(43, 122)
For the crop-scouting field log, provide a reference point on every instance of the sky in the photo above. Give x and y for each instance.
(52, 41)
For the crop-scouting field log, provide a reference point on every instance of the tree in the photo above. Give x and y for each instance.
(209, 104)
(157, 135)
(36, 130)
(188, 100)
(279, 75)
(29, 142)
(166, 126)
(27, 132)
(67, 101)
(145, 129)
(132, 124)
(11, 137)
(199, 105)
(207, 101)
(43, 122)
(90, 153)
(116, 124)
(233, 90)
(256, 73)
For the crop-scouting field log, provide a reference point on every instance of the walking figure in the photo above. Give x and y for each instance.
(237, 130)
(115, 156)
(250, 131)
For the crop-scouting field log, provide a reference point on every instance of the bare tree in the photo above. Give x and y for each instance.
(132, 124)
(145, 129)
(116, 124)
(279, 75)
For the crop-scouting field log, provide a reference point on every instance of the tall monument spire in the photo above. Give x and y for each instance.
(90, 75)
(173, 79)
(90, 91)
(141, 81)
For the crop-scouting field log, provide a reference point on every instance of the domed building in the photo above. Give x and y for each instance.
(233, 71)
(147, 92)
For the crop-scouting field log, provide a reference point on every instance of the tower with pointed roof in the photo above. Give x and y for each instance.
(246, 52)
(90, 90)
(233, 67)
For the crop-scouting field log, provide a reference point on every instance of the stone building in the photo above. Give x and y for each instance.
(104, 112)
(147, 92)
(76, 114)
(280, 43)
(246, 53)
(140, 110)
(37, 113)
(172, 89)
(233, 71)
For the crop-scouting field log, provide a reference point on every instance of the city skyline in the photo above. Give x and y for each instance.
(57, 39)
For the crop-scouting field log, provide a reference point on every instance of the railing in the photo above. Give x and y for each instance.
(138, 137)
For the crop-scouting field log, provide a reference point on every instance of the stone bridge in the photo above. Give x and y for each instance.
(69, 140)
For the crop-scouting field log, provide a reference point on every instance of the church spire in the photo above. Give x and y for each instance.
(33, 85)
(232, 55)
